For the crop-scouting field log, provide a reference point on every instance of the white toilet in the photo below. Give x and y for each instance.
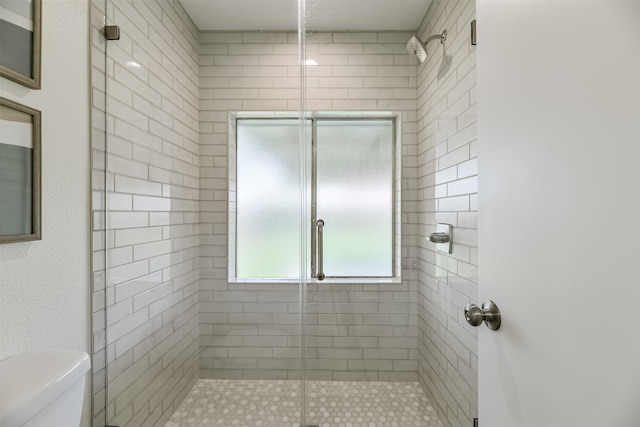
(43, 388)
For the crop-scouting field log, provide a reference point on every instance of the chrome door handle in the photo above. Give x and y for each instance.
(319, 230)
(489, 314)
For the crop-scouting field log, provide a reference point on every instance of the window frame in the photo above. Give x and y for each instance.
(311, 209)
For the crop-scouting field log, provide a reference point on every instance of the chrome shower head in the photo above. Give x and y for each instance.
(418, 49)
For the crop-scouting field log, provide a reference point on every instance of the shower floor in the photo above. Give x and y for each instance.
(248, 403)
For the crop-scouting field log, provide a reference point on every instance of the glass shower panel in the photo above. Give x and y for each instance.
(361, 335)
(98, 212)
(166, 313)
(355, 196)
(151, 209)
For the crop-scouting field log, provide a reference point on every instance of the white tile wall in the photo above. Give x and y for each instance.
(356, 331)
(152, 202)
(447, 188)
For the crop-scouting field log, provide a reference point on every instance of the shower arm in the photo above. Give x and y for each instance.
(442, 37)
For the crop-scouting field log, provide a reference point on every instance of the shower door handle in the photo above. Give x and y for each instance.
(319, 232)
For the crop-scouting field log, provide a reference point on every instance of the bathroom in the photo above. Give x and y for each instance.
(551, 110)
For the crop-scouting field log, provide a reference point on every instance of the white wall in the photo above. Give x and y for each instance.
(559, 138)
(44, 285)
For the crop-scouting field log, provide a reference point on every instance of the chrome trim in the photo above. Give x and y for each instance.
(474, 37)
(111, 32)
(439, 237)
(443, 238)
(320, 231)
(442, 37)
(489, 314)
(314, 197)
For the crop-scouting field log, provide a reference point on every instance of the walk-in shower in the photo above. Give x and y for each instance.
(418, 48)
(214, 154)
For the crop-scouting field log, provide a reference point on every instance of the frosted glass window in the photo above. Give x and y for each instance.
(350, 188)
(355, 196)
(268, 199)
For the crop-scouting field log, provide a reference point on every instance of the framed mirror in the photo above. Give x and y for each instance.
(20, 138)
(20, 41)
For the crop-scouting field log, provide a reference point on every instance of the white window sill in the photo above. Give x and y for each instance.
(332, 281)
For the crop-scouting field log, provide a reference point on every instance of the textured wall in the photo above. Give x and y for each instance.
(152, 204)
(250, 330)
(44, 285)
(447, 186)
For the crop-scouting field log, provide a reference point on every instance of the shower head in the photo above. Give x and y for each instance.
(418, 49)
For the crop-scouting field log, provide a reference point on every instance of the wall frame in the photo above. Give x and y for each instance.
(20, 164)
(20, 41)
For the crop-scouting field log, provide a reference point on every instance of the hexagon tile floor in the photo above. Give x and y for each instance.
(246, 403)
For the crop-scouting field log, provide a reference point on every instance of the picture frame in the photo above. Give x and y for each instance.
(20, 172)
(20, 41)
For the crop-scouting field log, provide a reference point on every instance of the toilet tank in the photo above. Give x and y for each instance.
(43, 388)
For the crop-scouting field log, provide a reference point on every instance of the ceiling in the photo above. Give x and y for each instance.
(324, 15)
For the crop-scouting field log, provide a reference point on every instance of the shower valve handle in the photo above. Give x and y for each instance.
(441, 237)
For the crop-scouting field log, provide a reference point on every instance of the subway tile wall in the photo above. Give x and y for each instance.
(447, 190)
(145, 262)
(250, 330)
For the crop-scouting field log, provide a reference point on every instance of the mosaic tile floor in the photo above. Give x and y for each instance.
(246, 403)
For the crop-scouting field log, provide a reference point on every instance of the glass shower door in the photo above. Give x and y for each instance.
(360, 321)
(168, 313)
(169, 318)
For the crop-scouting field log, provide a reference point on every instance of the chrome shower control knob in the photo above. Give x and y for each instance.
(439, 237)
(489, 314)
(443, 237)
